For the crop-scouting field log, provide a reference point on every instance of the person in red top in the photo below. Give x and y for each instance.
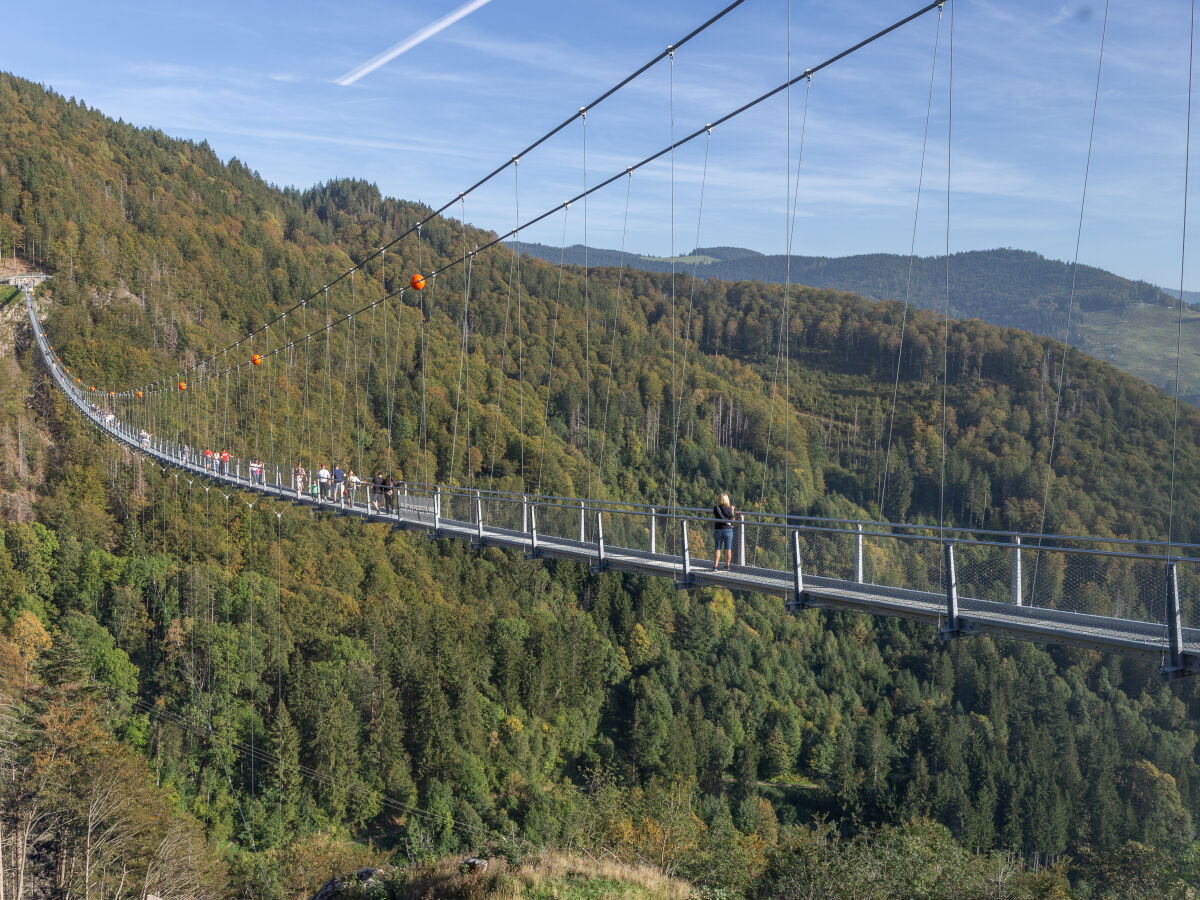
(208, 458)
(224, 462)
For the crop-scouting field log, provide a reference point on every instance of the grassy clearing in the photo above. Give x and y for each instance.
(549, 876)
(1141, 340)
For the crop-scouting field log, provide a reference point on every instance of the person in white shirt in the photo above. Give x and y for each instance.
(323, 477)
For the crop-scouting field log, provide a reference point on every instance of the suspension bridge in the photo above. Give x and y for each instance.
(602, 535)
(1108, 594)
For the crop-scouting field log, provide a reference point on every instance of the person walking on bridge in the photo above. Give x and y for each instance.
(723, 516)
(389, 495)
(376, 490)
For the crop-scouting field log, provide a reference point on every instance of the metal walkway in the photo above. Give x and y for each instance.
(578, 528)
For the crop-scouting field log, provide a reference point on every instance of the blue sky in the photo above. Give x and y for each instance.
(258, 81)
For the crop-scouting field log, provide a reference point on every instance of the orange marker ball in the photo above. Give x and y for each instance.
(256, 359)
(139, 393)
(417, 282)
(183, 385)
(111, 394)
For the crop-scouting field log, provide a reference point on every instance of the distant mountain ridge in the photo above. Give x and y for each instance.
(1123, 321)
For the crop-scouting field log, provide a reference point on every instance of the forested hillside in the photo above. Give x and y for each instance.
(269, 690)
(1131, 324)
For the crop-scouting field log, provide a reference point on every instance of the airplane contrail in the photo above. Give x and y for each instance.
(408, 43)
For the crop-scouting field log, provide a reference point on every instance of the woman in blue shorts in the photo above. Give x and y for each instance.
(723, 516)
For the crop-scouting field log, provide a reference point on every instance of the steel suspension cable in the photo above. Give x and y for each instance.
(787, 284)
(520, 321)
(912, 254)
(1187, 159)
(346, 364)
(946, 336)
(531, 147)
(1062, 369)
(784, 328)
(328, 379)
(687, 328)
(616, 312)
(587, 315)
(674, 412)
(462, 363)
(682, 141)
(503, 368)
(553, 345)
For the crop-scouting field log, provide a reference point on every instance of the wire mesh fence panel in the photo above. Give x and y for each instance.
(983, 571)
(509, 513)
(768, 546)
(829, 554)
(627, 528)
(905, 561)
(1187, 575)
(1096, 583)
(670, 533)
(558, 520)
(586, 528)
(458, 506)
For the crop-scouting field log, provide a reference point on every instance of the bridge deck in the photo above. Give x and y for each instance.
(1145, 640)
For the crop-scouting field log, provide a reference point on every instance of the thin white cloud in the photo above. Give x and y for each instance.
(413, 40)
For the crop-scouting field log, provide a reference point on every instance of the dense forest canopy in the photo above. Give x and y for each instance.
(273, 688)
(1131, 324)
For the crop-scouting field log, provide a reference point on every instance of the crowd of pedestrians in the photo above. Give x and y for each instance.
(336, 485)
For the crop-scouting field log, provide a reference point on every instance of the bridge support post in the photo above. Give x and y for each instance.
(533, 539)
(685, 556)
(741, 542)
(800, 600)
(524, 515)
(582, 532)
(1180, 664)
(601, 562)
(437, 510)
(952, 628)
(1018, 598)
(478, 542)
(858, 553)
(653, 529)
